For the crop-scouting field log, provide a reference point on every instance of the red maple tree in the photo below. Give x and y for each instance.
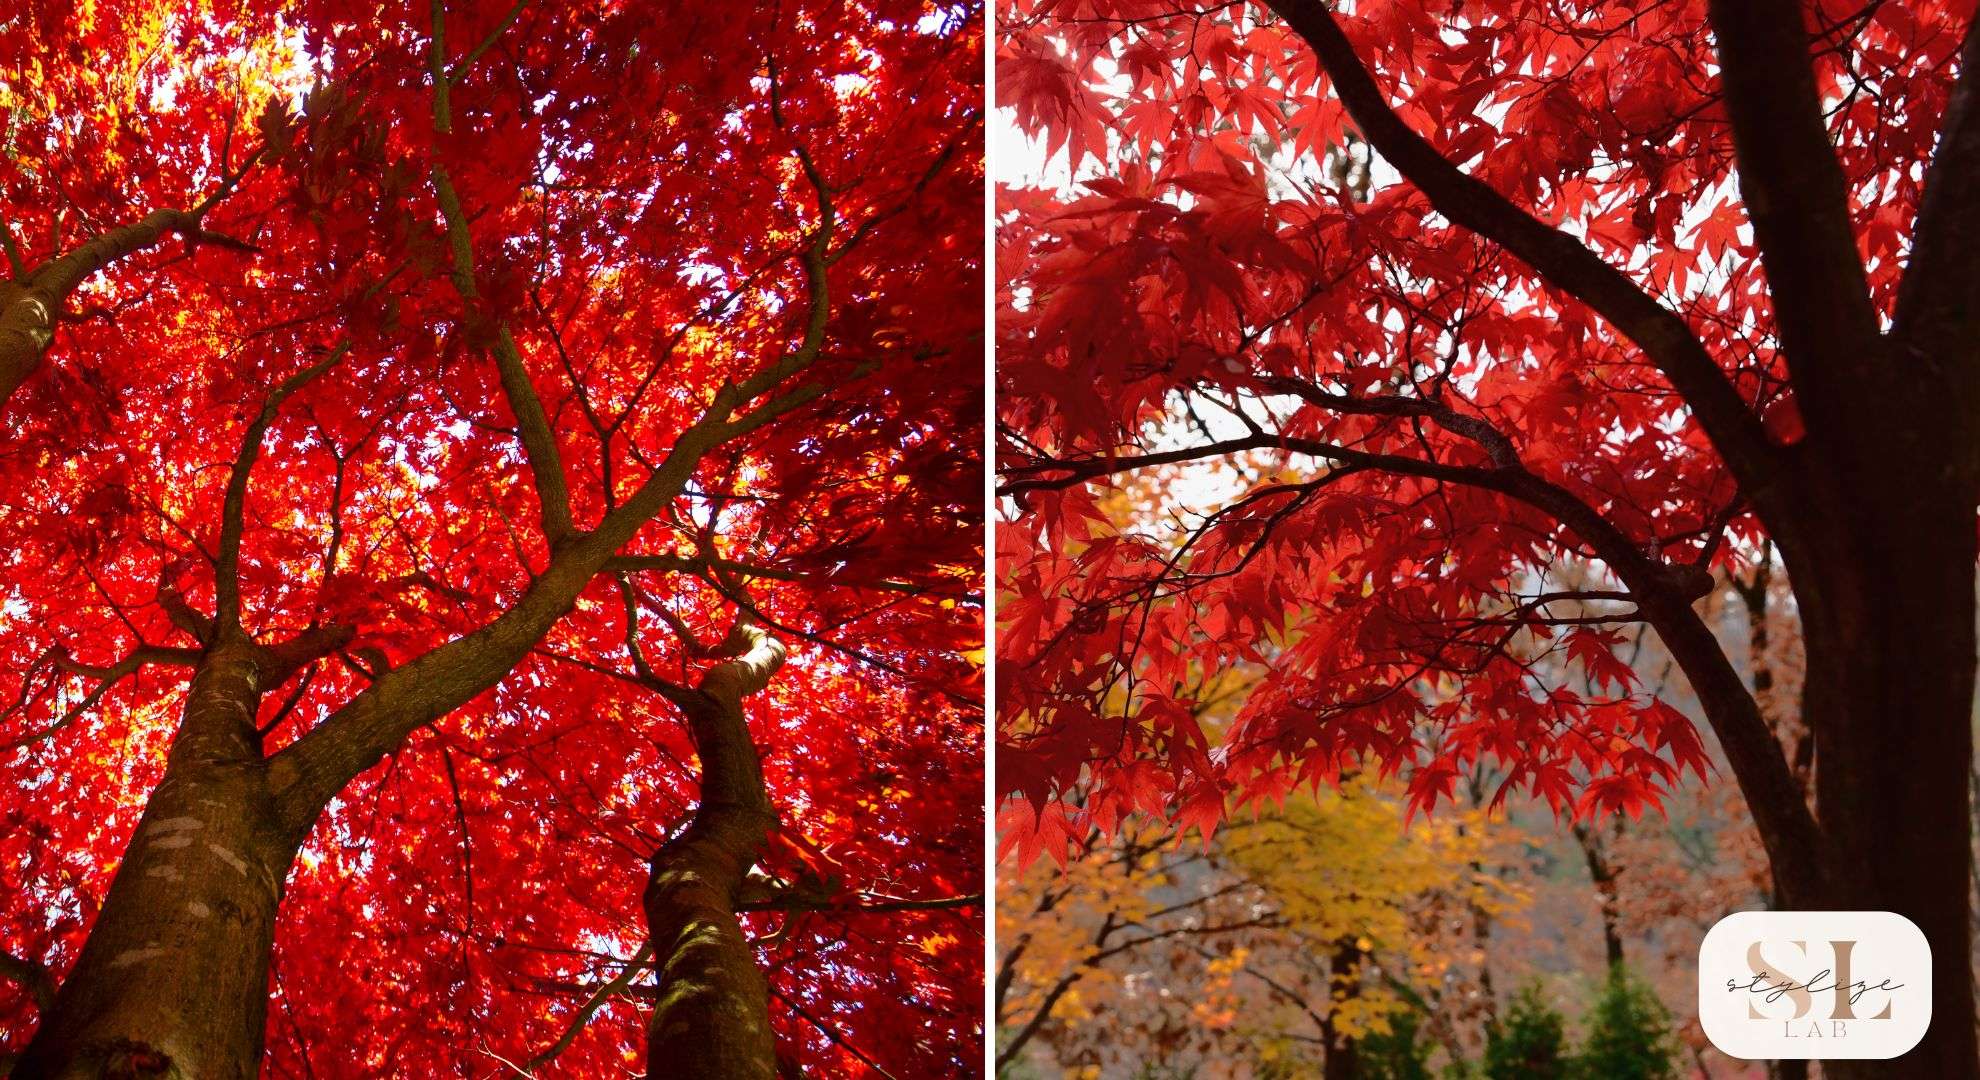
(1467, 296)
(492, 502)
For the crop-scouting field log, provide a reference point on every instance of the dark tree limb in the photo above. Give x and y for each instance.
(1563, 261)
(791, 902)
(495, 33)
(30, 975)
(833, 1034)
(1664, 593)
(692, 564)
(1497, 446)
(310, 771)
(1794, 193)
(1603, 873)
(15, 266)
(107, 676)
(1937, 324)
(605, 991)
(539, 440)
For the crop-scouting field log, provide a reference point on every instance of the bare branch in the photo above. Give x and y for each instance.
(605, 992)
(1793, 191)
(107, 677)
(227, 578)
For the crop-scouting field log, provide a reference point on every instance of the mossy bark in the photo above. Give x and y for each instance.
(712, 1016)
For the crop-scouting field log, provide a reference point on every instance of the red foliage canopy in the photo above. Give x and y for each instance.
(642, 186)
(1529, 335)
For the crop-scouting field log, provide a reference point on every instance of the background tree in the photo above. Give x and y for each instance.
(1653, 288)
(1294, 943)
(1509, 902)
(552, 367)
(1528, 1041)
(1397, 1050)
(1628, 1034)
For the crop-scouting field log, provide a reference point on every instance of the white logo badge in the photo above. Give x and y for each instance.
(1815, 984)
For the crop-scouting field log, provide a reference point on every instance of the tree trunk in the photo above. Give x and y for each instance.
(27, 325)
(1481, 938)
(1343, 1060)
(1889, 697)
(713, 1016)
(712, 1019)
(1603, 874)
(173, 979)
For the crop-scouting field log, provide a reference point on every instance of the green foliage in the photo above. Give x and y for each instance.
(1397, 1053)
(1528, 1042)
(1628, 1034)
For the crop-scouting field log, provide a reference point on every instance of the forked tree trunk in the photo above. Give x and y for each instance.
(712, 1017)
(173, 979)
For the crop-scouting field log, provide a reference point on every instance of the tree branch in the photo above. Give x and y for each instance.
(757, 656)
(467, 61)
(1663, 591)
(1560, 259)
(30, 303)
(546, 464)
(1498, 447)
(802, 902)
(15, 267)
(308, 772)
(227, 570)
(606, 991)
(178, 611)
(1938, 308)
(1794, 193)
(282, 659)
(32, 976)
(829, 1032)
(687, 564)
(108, 677)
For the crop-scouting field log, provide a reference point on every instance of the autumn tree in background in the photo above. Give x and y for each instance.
(1655, 288)
(491, 495)
(1290, 947)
